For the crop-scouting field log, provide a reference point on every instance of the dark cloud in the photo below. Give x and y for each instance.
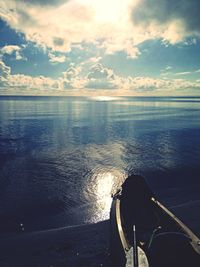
(43, 2)
(165, 11)
(67, 85)
(25, 19)
(58, 41)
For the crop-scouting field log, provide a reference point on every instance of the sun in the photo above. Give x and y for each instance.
(108, 11)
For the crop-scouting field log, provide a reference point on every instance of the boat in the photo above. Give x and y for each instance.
(144, 233)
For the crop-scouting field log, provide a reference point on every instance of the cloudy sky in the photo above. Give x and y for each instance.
(100, 47)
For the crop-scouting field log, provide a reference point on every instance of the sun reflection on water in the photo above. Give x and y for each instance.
(106, 183)
(104, 191)
(105, 98)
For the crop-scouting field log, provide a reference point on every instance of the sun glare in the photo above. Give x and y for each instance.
(104, 184)
(108, 10)
(105, 98)
(104, 188)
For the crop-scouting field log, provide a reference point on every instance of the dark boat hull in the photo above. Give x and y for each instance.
(165, 240)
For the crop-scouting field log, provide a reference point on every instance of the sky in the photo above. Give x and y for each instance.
(100, 47)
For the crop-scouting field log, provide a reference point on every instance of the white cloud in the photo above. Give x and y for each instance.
(152, 86)
(56, 59)
(9, 49)
(4, 74)
(100, 77)
(71, 73)
(72, 79)
(19, 82)
(75, 82)
(4, 70)
(183, 73)
(18, 56)
(61, 27)
(29, 83)
(56, 27)
(112, 46)
(12, 49)
(97, 71)
(94, 59)
(168, 68)
(165, 72)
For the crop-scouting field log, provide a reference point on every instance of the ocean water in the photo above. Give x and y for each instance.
(61, 158)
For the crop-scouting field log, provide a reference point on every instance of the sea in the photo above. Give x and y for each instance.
(62, 158)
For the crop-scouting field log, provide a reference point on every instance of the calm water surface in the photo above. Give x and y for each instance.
(62, 158)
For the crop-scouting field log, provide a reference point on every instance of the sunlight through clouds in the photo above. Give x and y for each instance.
(112, 11)
(72, 22)
(86, 46)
